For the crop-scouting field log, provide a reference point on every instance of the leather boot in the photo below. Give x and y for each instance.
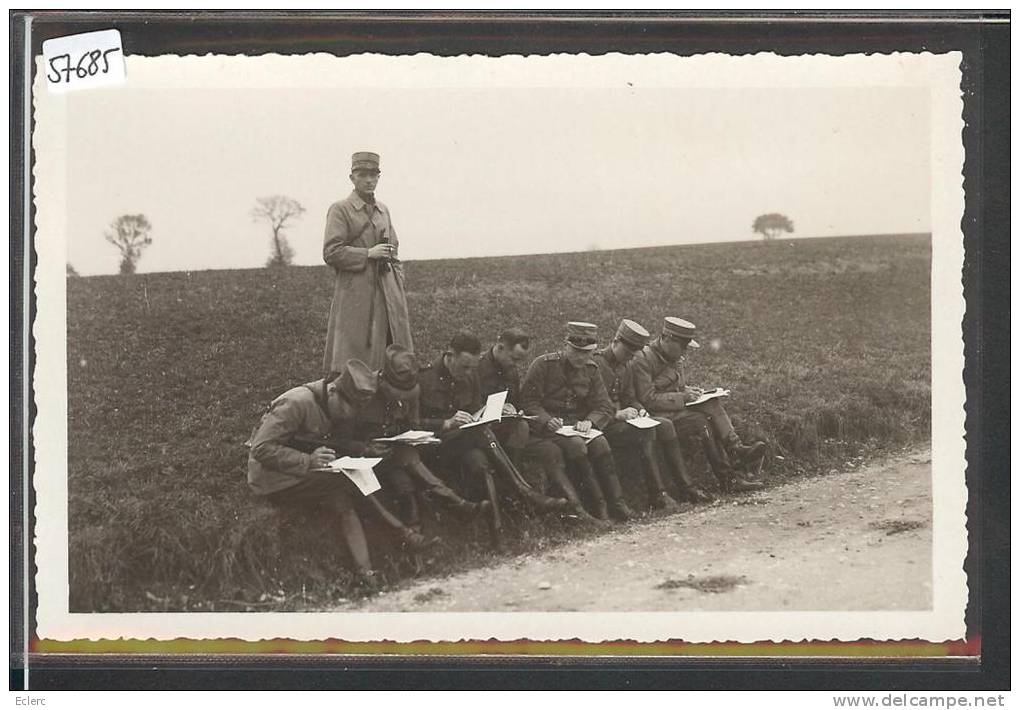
(416, 541)
(591, 484)
(728, 479)
(436, 489)
(660, 499)
(682, 473)
(502, 463)
(574, 506)
(606, 471)
(495, 519)
(744, 454)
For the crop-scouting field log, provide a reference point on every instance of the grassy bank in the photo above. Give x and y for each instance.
(825, 344)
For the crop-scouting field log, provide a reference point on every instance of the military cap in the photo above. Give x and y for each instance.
(581, 335)
(632, 334)
(357, 380)
(364, 160)
(680, 329)
(400, 369)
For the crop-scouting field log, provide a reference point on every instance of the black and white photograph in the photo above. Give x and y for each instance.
(640, 347)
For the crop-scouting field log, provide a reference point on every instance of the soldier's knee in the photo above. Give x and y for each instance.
(598, 447)
(474, 460)
(572, 447)
(665, 431)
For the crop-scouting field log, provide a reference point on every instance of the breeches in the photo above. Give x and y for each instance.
(512, 433)
(575, 447)
(687, 423)
(623, 435)
(719, 420)
(318, 489)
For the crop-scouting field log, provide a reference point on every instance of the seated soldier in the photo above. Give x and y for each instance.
(565, 388)
(614, 365)
(304, 430)
(393, 410)
(497, 372)
(450, 392)
(662, 390)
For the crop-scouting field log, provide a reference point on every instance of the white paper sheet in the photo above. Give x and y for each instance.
(491, 412)
(571, 431)
(643, 422)
(712, 394)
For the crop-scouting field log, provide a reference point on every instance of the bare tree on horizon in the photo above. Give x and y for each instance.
(279, 211)
(130, 234)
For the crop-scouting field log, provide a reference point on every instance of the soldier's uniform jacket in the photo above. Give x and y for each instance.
(494, 378)
(554, 388)
(442, 396)
(386, 416)
(658, 381)
(297, 422)
(618, 378)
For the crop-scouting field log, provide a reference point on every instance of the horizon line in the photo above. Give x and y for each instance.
(758, 240)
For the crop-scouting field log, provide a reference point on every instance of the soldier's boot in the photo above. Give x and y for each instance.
(584, 471)
(558, 477)
(495, 518)
(682, 473)
(436, 489)
(412, 538)
(502, 463)
(742, 454)
(606, 471)
(660, 499)
(728, 478)
(409, 511)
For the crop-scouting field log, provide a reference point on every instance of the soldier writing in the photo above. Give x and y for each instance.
(663, 391)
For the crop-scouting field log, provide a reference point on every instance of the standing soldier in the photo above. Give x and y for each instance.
(565, 388)
(614, 364)
(497, 372)
(304, 430)
(662, 390)
(450, 392)
(369, 309)
(393, 410)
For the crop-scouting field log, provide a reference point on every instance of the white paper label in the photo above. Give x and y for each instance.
(84, 61)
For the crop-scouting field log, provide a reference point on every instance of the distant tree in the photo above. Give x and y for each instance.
(71, 271)
(279, 211)
(130, 234)
(770, 225)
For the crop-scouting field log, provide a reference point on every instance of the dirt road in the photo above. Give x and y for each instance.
(854, 540)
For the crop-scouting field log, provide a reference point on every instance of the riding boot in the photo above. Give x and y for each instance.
(682, 473)
(495, 519)
(409, 510)
(606, 471)
(435, 488)
(657, 489)
(741, 453)
(412, 538)
(591, 484)
(728, 478)
(502, 464)
(558, 476)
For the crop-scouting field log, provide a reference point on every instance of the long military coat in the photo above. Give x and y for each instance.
(369, 307)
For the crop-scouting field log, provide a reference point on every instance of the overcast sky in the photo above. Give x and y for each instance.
(470, 172)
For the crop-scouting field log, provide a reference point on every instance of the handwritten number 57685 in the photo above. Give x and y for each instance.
(89, 64)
